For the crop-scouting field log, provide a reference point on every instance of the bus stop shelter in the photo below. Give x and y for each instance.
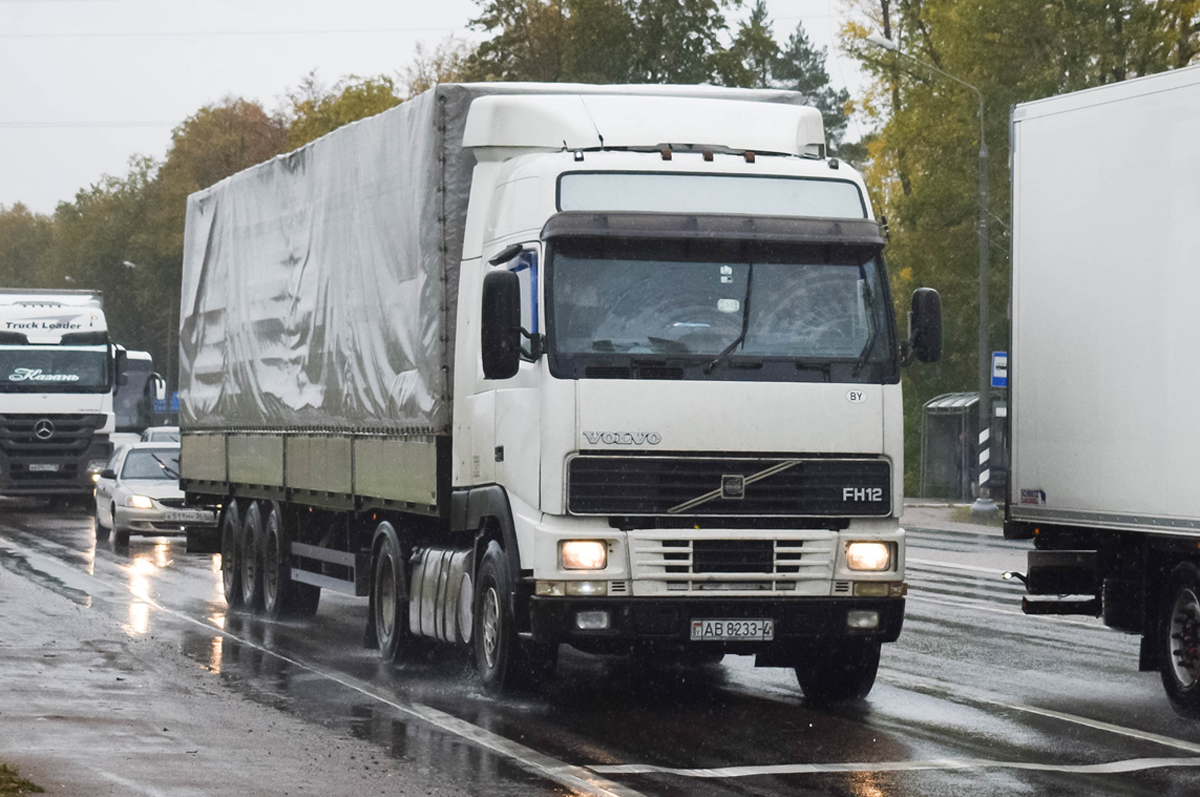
(950, 447)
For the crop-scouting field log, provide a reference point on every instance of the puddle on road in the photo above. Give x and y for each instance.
(20, 566)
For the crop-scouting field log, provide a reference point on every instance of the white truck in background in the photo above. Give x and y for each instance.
(528, 365)
(1103, 374)
(58, 374)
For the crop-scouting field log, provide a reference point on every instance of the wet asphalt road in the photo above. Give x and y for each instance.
(974, 698)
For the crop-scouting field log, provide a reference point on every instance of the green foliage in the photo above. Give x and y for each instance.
(800, 66)
(923, 161)
(317, 111)
(444, 64)
(11, 782)
(24, 238)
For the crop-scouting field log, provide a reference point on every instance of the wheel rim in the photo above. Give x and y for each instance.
(1185, 638)
(491, 626)
(228, 557)
(385, 601)
(271, 568)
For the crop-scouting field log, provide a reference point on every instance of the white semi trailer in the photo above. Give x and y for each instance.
(528, 365)
(1103, 363)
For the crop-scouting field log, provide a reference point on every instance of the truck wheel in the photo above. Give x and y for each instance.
(389, 594)
(250, 556)
(101, 529)
(231, 567)
(840, 672)
(504, 661)
(1180, 640)
(283, 597)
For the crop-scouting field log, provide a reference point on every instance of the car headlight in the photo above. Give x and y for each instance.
(583, 555)
(139, 502)
(869, 556)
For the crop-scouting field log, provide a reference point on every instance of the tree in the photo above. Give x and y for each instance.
(800, 66)
(750, 62)
(677, 41)
(528, 39)
(445, 64)
(316, 111)
(24, 239)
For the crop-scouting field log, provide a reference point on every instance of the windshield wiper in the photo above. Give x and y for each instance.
(741, 338)
(170, 471)
(870, 306)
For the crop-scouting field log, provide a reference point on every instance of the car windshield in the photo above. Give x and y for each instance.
(162, 463)
(707, 305)
(54, 369)
(163, 436)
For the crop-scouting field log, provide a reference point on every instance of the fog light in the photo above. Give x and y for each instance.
(591, 621)
(862, 619)
(587, 587)
(583, 555)
(872, 589)
(868, 556)
(555, 589)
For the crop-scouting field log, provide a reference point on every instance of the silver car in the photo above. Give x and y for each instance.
(138, 493)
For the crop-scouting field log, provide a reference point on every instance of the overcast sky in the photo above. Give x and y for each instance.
(87, 84)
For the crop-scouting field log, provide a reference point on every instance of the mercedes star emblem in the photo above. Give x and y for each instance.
(43, 429)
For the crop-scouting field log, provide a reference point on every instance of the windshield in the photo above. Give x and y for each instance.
(160, 463)
(704, 310)
(56, 369)
(132, 403)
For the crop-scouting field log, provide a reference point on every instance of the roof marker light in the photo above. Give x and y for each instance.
(666, 153)
(578, 155)
(749, 156)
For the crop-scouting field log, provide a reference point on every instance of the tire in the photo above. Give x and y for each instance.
(1179, 640)
(840, 672)
(389, 594)
(504, 662)
(120, 537)
(231, 546)
(102, 530)
(282, 597)
(250, 558)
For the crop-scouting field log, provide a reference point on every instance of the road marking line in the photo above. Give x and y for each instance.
(1095, 626)
(1108, 768)
(574, 777)
(950, 566)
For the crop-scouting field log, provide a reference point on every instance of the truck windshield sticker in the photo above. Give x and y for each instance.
(36, 375)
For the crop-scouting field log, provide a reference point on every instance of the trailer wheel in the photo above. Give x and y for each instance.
(1180, 640)
(231, 566)
(503, 659)
(840, 672)
(251, 558)
(274, 555)
(389, 594)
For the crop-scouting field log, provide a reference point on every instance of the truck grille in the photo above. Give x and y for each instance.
(681, 561)
(69, 438)
(708, 486)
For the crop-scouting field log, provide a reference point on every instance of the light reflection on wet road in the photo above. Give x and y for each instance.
(974, 698)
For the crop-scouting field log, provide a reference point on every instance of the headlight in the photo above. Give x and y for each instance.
(869, 556)
(139, 502)
(583, 555)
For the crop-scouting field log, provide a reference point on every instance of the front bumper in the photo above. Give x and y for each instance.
(668, 621)
(158, 521)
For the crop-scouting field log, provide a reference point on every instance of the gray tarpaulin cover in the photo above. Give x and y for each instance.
(317, 293)
(319, 288)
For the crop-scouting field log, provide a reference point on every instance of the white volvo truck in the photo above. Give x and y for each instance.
(58, 375)
(528, 365)
(1103, 364)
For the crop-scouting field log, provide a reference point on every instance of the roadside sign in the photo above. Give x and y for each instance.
(999, 369)
(175, 401)
(160, 406)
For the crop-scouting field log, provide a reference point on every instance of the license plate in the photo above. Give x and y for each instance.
(762, 630)
(194, 516)
(43, 467)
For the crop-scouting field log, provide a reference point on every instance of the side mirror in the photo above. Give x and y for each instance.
(500, 331)
(158, 386)
(122, 366)
(108, 473)
(926, 324)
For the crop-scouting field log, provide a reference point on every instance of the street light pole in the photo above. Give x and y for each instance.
(984, 505)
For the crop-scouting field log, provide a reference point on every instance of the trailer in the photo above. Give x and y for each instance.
(1102, 375)
(529, 365)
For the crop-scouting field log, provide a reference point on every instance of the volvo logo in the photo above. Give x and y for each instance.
(43, 429)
